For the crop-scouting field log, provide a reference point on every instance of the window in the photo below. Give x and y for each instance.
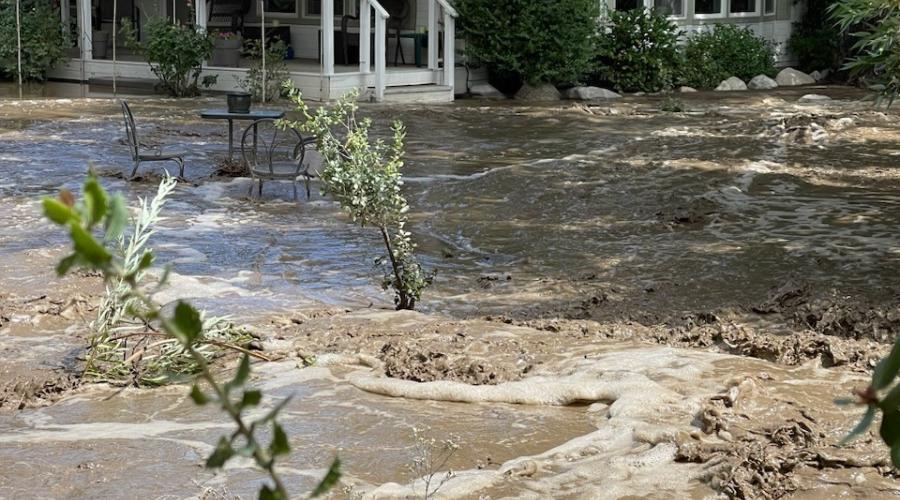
(708, 7)
(671, 8)
(280, 8)
(743, 7)
(770, 6)
(314, 8)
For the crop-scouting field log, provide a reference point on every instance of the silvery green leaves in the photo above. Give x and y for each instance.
(185, 327)
(883, 394)
(363, 175)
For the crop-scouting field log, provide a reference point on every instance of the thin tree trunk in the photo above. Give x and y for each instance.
(115, 29)
(19, 44)
(404, 301)
(262, 36)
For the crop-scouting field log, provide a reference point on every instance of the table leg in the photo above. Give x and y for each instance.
(418, 44)
(230, 140)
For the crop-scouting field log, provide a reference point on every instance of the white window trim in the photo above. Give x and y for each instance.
(770, 12)
(649, 4)
(280, 15)
(722, 14)
(755, 13)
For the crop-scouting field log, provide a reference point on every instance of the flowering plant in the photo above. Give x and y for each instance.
(227, 35)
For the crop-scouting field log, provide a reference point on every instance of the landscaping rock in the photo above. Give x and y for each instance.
(814, 97)
(790, 77)
(542, 92)
(590, 93)
(820, 75)
(686, 89)
(733, 83)
(486, 91)
(762, 82)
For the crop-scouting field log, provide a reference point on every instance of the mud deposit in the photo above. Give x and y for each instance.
(629, 303)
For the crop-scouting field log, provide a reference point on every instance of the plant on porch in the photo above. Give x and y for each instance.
(43, 44)
(175, 53)
(535, 41)
(276, 72)
(363, 175)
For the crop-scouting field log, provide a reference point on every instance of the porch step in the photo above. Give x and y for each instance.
(409, 94)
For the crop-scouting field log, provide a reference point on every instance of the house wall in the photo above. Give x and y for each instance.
(775, 27)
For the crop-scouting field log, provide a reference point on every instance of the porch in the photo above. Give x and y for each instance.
(313, 69)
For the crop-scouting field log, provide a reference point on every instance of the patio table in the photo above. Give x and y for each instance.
(222, 114)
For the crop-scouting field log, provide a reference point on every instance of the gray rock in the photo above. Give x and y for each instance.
(762, 82)
(542, 92)
(686, 89)
(731, 84)
(814, 97)
(590, 94)
(820, 75)
(790, 77)
(485, 90)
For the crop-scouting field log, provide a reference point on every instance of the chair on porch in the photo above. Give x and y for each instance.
(135, 146)
(398, 10)
(230, 10)
(272, 152)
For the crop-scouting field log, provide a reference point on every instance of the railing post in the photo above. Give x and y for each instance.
(200, 15)
(380, 49)
(432, 35)
(365, 35)
(327, 37)
(449, 50)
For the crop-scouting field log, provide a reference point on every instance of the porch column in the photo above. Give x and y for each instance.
(200, 15)
(365, 35)
(85, 29)
(432, 35)
(449, 50)
(328, 37)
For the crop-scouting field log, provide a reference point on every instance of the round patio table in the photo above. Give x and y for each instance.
(224, 114)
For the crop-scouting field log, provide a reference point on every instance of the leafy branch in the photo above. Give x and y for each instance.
(99, 212)
(363, 175)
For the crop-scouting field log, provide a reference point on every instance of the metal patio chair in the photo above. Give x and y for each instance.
(272, 152)
(398, 10)
(135, 146)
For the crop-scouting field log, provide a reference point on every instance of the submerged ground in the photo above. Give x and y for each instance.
(629, 302)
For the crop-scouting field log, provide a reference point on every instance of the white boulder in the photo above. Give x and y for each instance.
(820, 75)
(590, 94)
(762, 82)
(686, 89)
(732, 83)
(790, 77)
(814, 97)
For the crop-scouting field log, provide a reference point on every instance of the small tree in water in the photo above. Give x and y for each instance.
(364, 177)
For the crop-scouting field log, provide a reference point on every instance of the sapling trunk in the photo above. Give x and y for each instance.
(404, 300)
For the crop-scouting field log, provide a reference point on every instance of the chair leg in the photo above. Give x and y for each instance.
(180, 163)
(307, 189)
(294, 185)
(259, 191)
(250, 191)
(137, 163)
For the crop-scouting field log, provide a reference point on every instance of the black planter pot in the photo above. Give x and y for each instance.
(238, 102)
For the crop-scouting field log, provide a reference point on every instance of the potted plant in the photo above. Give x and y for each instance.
(226, 49)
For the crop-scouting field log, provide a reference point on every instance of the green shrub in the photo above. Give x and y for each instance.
(815, 40)
(43, 44)
(175, 53)
(875, 27)
(536, 41)
(727, 50)
(276, 71)
(638, 51)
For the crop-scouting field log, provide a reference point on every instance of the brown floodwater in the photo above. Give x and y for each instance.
(521, 210)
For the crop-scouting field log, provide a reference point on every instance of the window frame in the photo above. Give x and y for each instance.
(724, 7)
(774, 8)
(757, 9)
(349, 9)
(683, 15)
(280, 15)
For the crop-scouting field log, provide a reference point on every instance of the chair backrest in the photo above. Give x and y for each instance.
(130, 130)
(265, 144)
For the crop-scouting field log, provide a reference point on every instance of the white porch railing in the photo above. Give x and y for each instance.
(365, 32)
(450, 16)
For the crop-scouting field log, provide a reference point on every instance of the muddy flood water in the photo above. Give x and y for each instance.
(629, 303)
